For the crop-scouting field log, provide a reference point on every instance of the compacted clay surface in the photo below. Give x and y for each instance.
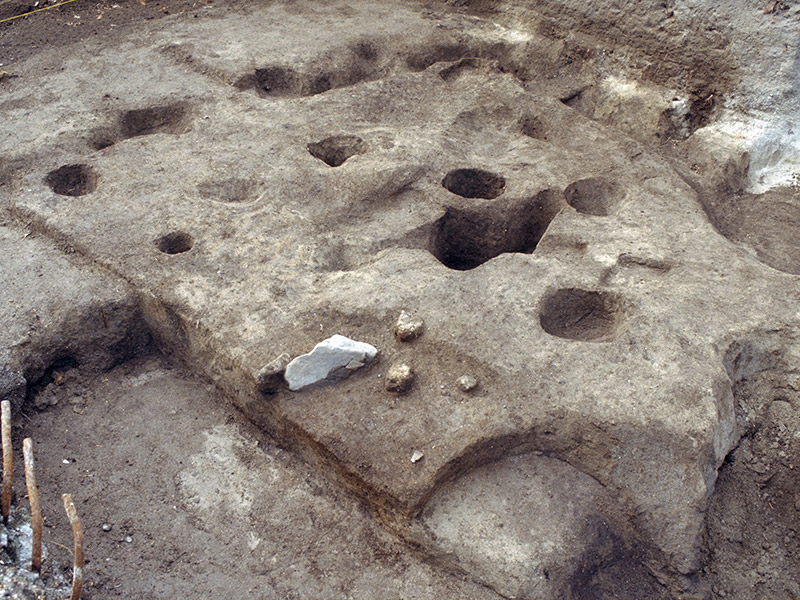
(584, 218)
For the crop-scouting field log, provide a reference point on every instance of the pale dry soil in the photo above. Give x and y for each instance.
(545, 183)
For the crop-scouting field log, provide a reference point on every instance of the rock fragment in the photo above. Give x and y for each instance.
(330, 360)
(408, 327)
(270, 377)
(399, 378)
(416, 456)
(467, 383)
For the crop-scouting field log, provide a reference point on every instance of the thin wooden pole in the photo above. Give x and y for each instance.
(36, 507)
(8, 459)
(77, 535)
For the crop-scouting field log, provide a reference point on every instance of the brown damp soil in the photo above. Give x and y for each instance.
(118, 442)
(57, 26)
(181, 497)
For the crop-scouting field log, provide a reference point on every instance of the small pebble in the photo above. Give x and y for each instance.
(467, 383)
(399, 378)
(106, 526)
(408, 327)
(416, 456)
(128, 539)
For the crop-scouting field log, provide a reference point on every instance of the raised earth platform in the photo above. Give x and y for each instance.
(595, 229)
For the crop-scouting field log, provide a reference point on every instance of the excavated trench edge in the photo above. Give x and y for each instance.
(160, 320)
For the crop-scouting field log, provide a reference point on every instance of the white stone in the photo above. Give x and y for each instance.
(467, 383)
(416, 456)
(330, 360)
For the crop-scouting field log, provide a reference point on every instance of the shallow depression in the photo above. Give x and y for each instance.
(336, 149)
(596, 196)
(167, 118)
(582, 315)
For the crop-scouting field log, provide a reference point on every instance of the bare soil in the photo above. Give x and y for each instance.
(181, 497)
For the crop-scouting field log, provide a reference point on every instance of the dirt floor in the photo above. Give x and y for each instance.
(632, 428)
(49, 29)
(181, 497)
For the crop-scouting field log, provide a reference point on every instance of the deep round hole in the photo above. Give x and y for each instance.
(474, 183)
(335, 150)
(176, 242)
(594, 196)
(72, 180)
(466, 238)
(582, 315)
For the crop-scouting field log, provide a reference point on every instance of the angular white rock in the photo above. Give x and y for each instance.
(330, 360)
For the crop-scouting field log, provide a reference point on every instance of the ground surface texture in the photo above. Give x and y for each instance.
(592, 210)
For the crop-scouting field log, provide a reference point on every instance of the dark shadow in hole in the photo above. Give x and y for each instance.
(474, 183)
(52, 374)
(277, 81)
(72, 180)
(103, 138)
(610, 567)
(582, 315)
(365, 49)
(282, 81)
(169, 118)
(593, 196)
(174, 119)
(335, 150)
(573, 99)
(176, 242)
(439, 53)
(466, 238)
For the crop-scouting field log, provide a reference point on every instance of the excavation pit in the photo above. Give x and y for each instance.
(168, 118)
(335, 150)
(582, 315)
(467, 238)
(176, 242)
(72, 180)
(474, 183)
(596, 196)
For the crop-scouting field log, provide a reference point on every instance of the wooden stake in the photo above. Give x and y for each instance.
(36, 507)
(77, 535)
(8, 460)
